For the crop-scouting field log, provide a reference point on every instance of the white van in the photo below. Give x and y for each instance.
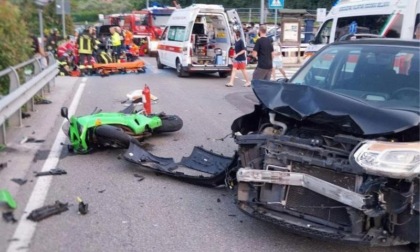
(385, 18)
(199, 38)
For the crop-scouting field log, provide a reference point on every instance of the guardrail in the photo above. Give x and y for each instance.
(38, 77)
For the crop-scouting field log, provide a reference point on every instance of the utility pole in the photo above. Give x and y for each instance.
(262, 12)
(63, 18)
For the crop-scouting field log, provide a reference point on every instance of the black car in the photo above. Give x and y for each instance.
(332, 154)
(335, 152)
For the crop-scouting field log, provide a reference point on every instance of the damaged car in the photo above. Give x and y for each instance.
(335, 152)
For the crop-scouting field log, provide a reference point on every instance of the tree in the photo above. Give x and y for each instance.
(15, 43)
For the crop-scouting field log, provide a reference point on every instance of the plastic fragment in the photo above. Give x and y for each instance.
(5, 196)
(56, 171)
(83, 207)
(9, 217)
(47, 211)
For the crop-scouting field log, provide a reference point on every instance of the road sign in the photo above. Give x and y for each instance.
(62, 6)
(276, 4)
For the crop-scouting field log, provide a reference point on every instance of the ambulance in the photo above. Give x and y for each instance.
(199, 38)
(367, 18)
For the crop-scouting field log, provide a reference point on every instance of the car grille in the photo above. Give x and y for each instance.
(308, 202)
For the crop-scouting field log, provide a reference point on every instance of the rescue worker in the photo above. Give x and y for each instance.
(85, 45)
(63, 65)
(52, 41)
(116, 43)
(128, 38)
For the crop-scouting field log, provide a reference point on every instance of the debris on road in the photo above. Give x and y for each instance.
(139, 176)
(3, 165)
(56, 171)
(25, 115)
(83, 207)
(19, 181)
(47, 211)
(31, 140)
(6, 197)
(101, 191)
(213, 169)
(9, 217)
(39, 100)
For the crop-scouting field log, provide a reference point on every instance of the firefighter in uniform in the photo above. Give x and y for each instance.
(85, 44)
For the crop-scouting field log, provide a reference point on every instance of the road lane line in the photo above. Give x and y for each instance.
(26, 228)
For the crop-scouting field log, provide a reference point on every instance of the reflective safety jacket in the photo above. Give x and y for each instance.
(116, 39)
(128, 38)
(85, 44)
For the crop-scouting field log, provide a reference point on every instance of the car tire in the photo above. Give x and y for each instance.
(179, 70)
(170, 123)
(108, 135)
(159, 64)
(223, 74)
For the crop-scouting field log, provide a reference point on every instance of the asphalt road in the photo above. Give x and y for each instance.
(156, 214)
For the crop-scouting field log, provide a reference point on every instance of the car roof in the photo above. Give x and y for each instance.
(381, 41)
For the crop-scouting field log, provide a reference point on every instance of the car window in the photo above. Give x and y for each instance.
(176, 33)
(164, 34)
(386, 74)
(323, 36)
(373, 24)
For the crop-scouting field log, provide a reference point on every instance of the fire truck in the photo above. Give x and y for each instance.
(146, 25)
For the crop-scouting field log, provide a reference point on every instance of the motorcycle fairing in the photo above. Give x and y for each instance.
(202, 167)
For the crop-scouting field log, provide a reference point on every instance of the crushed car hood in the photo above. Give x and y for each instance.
(302, 102)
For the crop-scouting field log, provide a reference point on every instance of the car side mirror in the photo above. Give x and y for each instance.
(65, 112)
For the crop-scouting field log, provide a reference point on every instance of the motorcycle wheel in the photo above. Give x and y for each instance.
(108, 135)
(170, 123)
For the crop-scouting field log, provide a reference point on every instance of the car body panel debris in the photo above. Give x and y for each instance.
(9, 217)
(47, 211)
(56, 171)
(6, 197)
(19, 181)
(202, 167)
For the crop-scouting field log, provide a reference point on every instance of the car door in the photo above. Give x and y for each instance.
(235, 24)
(162, 45)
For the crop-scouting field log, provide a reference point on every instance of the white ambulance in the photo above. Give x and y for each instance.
(199, 38)
(385, 18)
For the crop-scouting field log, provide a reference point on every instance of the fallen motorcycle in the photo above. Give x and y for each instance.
(99, 130)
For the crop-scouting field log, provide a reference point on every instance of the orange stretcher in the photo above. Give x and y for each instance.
(123, 67)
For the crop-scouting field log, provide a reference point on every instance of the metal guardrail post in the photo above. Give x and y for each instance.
(51, 61)
(16, 118)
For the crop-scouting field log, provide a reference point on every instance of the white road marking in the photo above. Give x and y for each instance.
(26, 228)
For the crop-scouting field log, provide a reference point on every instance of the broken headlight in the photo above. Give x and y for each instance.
(395, 160)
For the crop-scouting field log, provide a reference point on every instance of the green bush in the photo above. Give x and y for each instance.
(90, 17)
(15, 42)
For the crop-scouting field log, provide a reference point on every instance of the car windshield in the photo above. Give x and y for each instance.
(382, 75)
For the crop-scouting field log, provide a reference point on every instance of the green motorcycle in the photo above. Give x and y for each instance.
(100, 130)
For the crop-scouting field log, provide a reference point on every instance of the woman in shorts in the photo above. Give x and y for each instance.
(277, 61)
(239, 60)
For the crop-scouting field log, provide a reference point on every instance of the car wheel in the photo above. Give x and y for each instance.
(223, 74)
(159, 64)
(179, 70)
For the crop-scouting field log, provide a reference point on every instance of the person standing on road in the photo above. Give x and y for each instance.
(263, 51)
(239, 60)
(278, 60)
(85, 46)
(116, 43)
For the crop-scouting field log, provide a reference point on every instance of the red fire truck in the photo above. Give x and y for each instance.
(146, 25)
